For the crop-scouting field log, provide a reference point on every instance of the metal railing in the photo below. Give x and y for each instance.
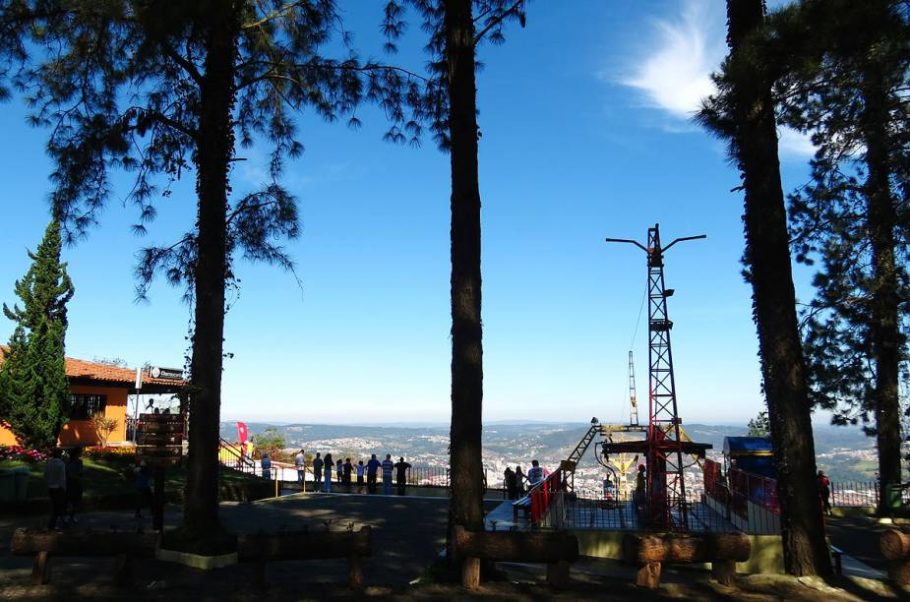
(231, 456)
(132, 429)
(854, 493)
(416, 476)
(623, 512)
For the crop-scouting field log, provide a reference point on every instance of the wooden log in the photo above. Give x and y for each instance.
(648, 575)
(470, 573)
(899, 571)
(40, 569)
(26, 542)
(895, 544)
(686, 549)
(645, 548)
(728, 546)
(511, 546)
(724, 572)
(123, 569)
(304, 545)
(355, 572)
(558, 574)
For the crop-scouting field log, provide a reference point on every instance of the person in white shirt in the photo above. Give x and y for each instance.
(300, 465)
(535, 474)
(55, 479)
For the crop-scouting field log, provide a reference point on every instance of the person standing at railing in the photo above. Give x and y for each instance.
(510, 483)
(535, 475)
(361, 469)
(372, 468)
(317, 472)
(520, 479)
(401, 477)
(347, 469)
(387, 467)
(266, 464)
(824, 491)
(300, 465)
(339, 471)
(329, 465)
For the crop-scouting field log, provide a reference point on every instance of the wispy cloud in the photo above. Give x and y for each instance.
(673, 72)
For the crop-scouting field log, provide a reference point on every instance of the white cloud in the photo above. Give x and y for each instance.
(794, 144)
(675, 73)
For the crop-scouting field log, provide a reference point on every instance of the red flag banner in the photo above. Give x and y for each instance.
(241, 432)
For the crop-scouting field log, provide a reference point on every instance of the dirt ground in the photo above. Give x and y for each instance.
(408, 536)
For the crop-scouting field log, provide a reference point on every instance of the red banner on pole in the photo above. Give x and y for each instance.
(241, 432)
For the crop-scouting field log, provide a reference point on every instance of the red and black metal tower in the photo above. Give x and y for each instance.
(664, 447)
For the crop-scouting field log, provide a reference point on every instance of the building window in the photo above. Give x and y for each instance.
(84, 405)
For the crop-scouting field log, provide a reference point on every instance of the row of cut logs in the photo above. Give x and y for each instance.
(650, 552)
(895, 547)
(309, 545)
(556, 549)
(259, 548)
(122, 546)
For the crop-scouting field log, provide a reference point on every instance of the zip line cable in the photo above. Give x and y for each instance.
(641, 307)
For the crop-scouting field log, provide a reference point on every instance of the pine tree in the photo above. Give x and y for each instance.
(33, 387)
(742, 112)
(843, 79)
(452, 107)
(161, 88)
(759, 426)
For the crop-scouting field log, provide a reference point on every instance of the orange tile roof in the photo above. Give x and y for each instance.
(83, 369)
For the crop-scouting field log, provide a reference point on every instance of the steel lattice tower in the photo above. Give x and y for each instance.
(665, 454)
(633, 396)
(664, 447)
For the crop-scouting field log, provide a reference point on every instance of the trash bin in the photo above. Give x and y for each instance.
(22, 476)
(893, 497)
(7, 486)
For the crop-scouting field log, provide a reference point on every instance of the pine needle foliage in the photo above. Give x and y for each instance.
(157, 89)
(34, 391)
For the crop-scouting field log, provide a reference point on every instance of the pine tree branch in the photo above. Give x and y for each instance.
(498, 20)
(183, 62)
(273, 15)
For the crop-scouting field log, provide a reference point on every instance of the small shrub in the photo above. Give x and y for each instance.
(104, 426)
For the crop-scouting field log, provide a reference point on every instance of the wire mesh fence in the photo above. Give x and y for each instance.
(630, 513)
(854, 493)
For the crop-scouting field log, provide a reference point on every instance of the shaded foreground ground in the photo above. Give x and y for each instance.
(408, 535)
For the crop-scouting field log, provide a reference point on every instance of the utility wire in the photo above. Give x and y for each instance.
(641, 307)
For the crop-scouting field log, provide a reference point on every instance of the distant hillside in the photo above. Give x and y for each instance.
(845, 453)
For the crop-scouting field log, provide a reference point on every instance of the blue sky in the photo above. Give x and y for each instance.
(585, 116)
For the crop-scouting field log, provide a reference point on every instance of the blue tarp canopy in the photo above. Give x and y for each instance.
(750, 454)
(747, 446)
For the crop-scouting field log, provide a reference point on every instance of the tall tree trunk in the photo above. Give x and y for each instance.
(466, 508)
(774, 311)
(214, 151)
(884, 329)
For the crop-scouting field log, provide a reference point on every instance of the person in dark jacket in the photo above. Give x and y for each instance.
(55, 479)
(401, 475)
(74, 471)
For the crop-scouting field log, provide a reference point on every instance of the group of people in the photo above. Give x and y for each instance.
(515, 480)
(367, 474)
(64, 486)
